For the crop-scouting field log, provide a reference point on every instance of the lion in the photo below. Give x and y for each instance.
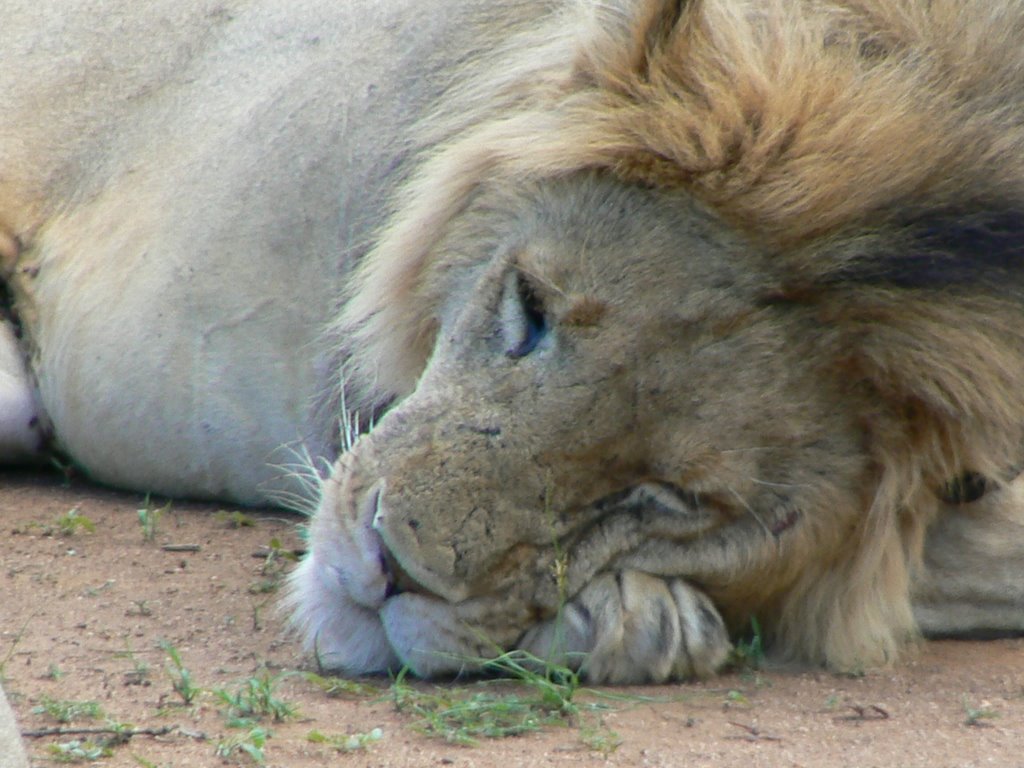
(641, 319)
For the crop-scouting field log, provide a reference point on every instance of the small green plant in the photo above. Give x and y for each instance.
(274, 568)
(256, 616)
(96, 591)
(337, 687)
(250, 743)
(278, 558)
(14, 644)
(181, 678)
(78, 752)
(53, 672)
(463, 717)
(65, 711)
(347, 743)
(139, 608)
(555, 684)
(978, 717)
(749, 650)
(234, 519)
(140, 671)
(736, 698)
(264, 586)
(600, 738)
(277, 552)
(255, 699)
(63, 466)
(149, 518)
(73, 521)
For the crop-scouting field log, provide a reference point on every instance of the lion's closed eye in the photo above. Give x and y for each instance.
(523, 322)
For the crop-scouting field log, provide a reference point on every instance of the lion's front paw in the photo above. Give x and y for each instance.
(630, 627)
(340, 633)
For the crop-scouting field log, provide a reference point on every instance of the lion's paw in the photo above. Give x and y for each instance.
(630, 627)
(434, 638)
(340, 633)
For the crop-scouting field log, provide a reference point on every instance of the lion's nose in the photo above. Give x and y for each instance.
(395, 577)
(405, 561)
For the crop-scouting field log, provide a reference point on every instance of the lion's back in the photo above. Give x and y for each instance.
(184, 188)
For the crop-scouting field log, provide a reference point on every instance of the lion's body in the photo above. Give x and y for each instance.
(189, 183)
(663, 312)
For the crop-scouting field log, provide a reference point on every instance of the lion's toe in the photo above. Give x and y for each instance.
(630, 627)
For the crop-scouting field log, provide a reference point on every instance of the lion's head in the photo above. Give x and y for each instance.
(694, 326)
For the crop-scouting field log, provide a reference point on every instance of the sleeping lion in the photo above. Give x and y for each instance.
(640, 319)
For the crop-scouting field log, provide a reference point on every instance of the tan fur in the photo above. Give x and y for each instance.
(813, 130)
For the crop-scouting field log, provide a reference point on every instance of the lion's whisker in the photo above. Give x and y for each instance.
(771, 484)
(750, 509)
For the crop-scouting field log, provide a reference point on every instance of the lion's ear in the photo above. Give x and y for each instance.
(624, 37)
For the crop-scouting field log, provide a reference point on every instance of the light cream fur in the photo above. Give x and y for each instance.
(183, 189)
(665, 314)
(11, 753)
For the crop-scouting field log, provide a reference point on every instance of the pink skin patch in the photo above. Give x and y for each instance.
(20, 435)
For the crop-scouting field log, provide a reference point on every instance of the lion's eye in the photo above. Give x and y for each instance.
(523, 324)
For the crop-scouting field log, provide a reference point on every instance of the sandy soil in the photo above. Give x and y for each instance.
(84, 616)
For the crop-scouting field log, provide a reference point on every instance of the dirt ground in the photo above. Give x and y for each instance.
(89, 616)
